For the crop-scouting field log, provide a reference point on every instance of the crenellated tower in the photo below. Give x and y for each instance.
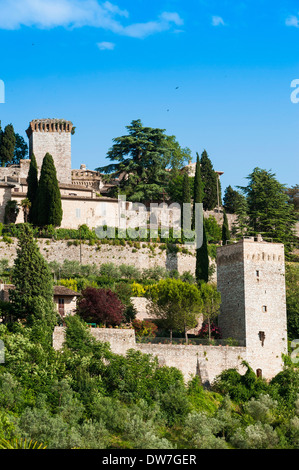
(52, 136)
(251, 280)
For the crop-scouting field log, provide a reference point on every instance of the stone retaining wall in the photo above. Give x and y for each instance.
(208, 361)
(141, 258)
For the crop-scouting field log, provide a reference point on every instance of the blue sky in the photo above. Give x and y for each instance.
(102, 64)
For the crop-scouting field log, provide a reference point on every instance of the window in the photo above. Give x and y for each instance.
(257, 273)
(78, 213)
(259, 373)
(264, 308)
(262, 337)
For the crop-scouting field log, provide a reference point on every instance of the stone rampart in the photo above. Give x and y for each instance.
(206, 361)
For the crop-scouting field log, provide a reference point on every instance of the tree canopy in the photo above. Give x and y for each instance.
(140, 160)
(7, 144)
(176, 303)
(268, 208)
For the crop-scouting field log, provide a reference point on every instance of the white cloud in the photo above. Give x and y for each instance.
(104, 46)
(292, 21)
(47, 14)
(217, 21)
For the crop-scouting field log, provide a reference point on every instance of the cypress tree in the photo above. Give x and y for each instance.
(225, 229)
(209, 178)
(32, 297)
(185, 213)
(7, 145)
(49, 208)
(202, 260)
(32, 182)
(198, 190)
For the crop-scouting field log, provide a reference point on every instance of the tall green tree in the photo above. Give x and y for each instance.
(231, 200)
(209, 178)
(49, 207)
(32, 297)
(176, 303)
(202, 260)
(140, 161)
(225, 229)
(211, 299)
(197, 188)
(32, 188)
(21, 149)
(269, 211)
(186, 210)
(7, 145)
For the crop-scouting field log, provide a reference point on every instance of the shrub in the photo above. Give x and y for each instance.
(100, 306)
(144, 328)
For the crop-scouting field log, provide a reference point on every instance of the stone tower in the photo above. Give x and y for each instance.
(52, 136)
(251, 280)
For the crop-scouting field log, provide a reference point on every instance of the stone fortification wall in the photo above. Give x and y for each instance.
(208, 361)
(141, 258)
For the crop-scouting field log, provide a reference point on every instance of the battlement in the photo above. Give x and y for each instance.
(49, 125)
(254, 249)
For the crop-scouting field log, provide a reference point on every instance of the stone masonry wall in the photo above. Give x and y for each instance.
(142, 258)
(208, 361)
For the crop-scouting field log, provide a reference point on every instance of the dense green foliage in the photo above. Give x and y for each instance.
(144, 156)
(202, 259)
(292, 296)
(32, 182)
(49, 208)
(268, 209)
(88, 397)
(225, 229)
(197, 189)
(231, 200)
(32, 296)
(209, 179)
(7, 144)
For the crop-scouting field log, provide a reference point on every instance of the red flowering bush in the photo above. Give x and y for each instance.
(215, 331)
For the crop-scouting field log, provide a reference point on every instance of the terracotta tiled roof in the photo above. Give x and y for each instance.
(58, 290)
(65, 291)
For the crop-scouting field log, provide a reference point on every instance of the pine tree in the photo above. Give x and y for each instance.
(7, 146)
(225, 229)
(33, 281)
(49, 208)
(198, 189)
(32, 182)
(202, 260)
(144, 155)
(231, 199)
(269, 211)
(209, 178)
